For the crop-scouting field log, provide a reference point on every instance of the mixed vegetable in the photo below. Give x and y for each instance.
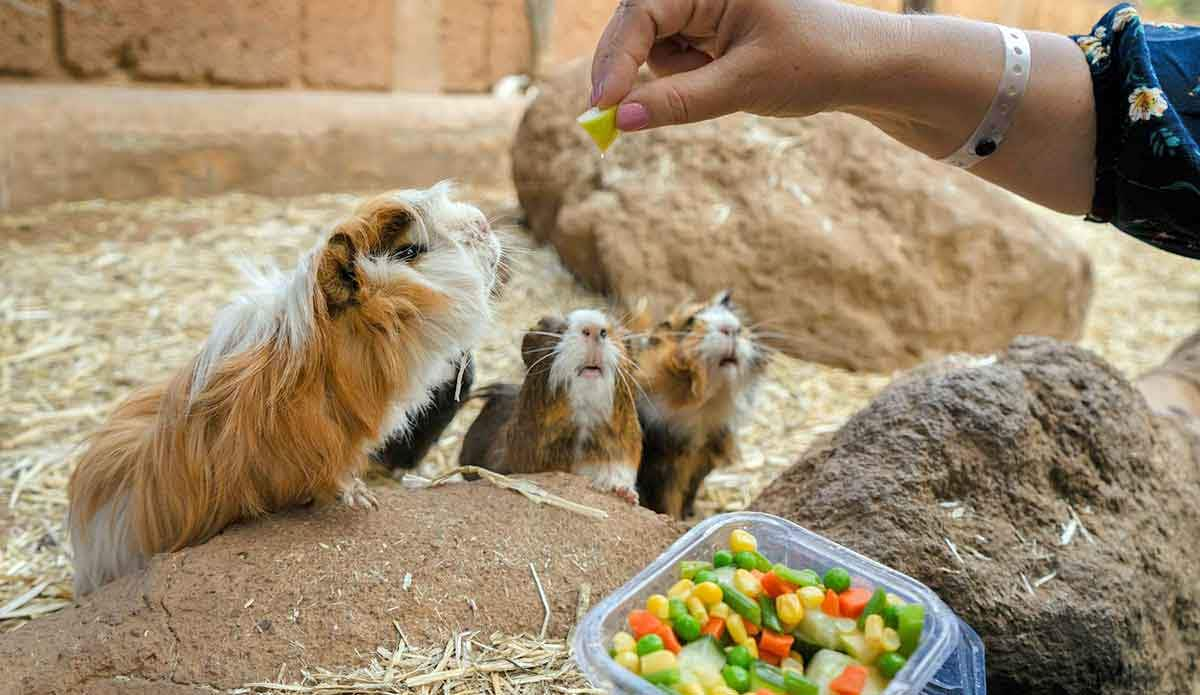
(741, 624)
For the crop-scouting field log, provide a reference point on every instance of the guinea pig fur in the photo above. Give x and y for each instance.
(575, 411)
(698, 368)
(300, 378)
(405, 449)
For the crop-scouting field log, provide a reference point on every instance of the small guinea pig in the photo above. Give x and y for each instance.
(405, 449)
(575, 411)
(300, 377)
(698, 369)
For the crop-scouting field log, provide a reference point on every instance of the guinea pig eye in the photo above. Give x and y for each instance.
(407, 252)
(690, 322)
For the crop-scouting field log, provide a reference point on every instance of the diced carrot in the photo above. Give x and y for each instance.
(751, 628)
(772, 659)
(775, 643)
(851, 682)
(670, 641)
(830, 604)
(715, 626)
(764, 691)
(644, 622)
(774, 586)
(853, 601)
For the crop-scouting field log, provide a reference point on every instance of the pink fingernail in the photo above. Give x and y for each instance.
(597, 92)
(632, 117)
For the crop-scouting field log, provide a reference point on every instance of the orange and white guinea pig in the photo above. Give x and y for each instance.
(302, 376)
(575, 411)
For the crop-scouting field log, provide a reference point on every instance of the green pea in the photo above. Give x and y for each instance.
(676, 609)
(722, 558)
(705, 576)
(837, 579)
(668, 676)
(746, 560)
(649, 644)
(689, 568)
(891, 616)
(739, 656)
(736, 677)
(687, 627)
(890, 664)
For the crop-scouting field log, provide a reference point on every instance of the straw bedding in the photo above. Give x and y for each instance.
(97, 298)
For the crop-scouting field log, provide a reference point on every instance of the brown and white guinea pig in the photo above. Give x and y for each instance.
(575, 411)
(299, 379)
(698, 368)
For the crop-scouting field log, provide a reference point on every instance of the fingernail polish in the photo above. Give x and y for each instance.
(632, 117)
(597, 92)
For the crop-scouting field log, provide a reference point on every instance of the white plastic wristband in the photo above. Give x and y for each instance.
(986, 139)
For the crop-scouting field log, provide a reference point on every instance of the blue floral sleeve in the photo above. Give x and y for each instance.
(1146, 79)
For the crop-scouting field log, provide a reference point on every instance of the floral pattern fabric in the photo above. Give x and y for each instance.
(1146, 79)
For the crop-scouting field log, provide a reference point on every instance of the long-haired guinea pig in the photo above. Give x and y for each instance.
(299, 379)
(406, 448)
(698, 369)
(575, 411)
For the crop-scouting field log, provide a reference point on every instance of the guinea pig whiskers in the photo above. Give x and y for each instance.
(540, 360)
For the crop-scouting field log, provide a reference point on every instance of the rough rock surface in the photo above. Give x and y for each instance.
(223, 41)
(1013, 442)
(26, 44)
(864, 254)
(358, 33)
(325, 587)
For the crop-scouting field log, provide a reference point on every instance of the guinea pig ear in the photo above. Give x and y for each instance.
(540, 339)
(337, 272)
(723, 298)
(392, 225)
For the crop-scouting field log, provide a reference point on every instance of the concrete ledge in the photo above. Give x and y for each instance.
(66, 142)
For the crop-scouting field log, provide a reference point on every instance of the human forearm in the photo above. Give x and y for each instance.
(928, 81)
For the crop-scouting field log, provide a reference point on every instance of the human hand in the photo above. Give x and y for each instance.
(715, 57)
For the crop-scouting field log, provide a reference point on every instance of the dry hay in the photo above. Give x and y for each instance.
(97, 298)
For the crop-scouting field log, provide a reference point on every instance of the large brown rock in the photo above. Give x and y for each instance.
(26, 44)
(324, 587)
(863, 253)
(348, 44)
(223, 41)
(1173, 388)
(988, 456)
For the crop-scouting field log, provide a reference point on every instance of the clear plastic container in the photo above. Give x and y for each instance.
(949, 660)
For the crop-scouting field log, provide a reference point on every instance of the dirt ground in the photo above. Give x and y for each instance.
(97, 298)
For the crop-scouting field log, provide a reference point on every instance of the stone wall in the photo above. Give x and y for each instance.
(409, 45)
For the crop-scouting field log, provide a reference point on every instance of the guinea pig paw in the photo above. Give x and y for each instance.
(628, 494)
(356, 495)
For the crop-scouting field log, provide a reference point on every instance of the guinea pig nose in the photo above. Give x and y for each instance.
(587, 332)
(729, 330)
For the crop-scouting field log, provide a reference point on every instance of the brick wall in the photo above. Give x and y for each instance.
(417, 45)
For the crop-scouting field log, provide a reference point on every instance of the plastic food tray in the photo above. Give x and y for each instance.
(949, 661)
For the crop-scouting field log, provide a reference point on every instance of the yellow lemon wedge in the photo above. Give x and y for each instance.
(601, 125)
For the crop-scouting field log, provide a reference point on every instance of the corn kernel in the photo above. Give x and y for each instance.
(657, 604)
(711, 679)
(891, 640)
(690, 689)
(793, 663)
(708, 593)
(845, 625)
(624, 642)
(696, 610)
(682, 589)
(736, 628)
(747, 583)
(790, 610)
(894, 600)
(720, 610)
(722, 690)
(811, 597)
(660, 660)
(741, 540)
(629, 660)
(873, 630)
(751, 646)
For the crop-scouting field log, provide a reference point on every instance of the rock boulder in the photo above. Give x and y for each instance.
(1041, 498)
(856, 251)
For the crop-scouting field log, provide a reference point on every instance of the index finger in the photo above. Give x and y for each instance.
(626, 42)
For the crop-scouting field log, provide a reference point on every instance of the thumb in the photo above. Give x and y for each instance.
(686, 97)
